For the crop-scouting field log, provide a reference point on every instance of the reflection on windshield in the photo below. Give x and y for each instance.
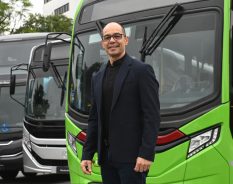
(84, 67)
(43, 96)
(40, 105)
(184, 63)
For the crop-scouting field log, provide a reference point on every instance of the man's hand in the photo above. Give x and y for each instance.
(86, 166)
(142, 165)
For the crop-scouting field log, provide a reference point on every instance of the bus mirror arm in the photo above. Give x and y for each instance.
(62, 36)
(46, 58)
(12, 89)
(12, 84)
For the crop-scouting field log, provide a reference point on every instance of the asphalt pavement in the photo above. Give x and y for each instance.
(39, 179)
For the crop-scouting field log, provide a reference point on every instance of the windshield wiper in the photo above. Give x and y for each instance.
(143, 55)
(149, 46)
(63, 89)
(57, 76)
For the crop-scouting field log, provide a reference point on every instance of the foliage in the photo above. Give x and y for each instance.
(12, 12)
(51, 23)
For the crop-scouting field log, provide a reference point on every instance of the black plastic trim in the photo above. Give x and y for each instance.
(76, 119)
(11, 149)
(14, 135)
(45, 128)
(12, 163)
(162, 148)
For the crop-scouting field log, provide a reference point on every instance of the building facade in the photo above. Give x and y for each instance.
(57, 7)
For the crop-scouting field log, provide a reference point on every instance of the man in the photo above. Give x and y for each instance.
(124, 117)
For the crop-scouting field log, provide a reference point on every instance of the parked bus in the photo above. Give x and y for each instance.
(44, 146)
(14, 49)
(188, 44)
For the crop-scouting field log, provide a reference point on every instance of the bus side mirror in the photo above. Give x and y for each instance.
(46, 58)
(18, 82)
(12, 84)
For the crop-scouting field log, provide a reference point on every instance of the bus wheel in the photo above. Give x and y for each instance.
(29, 175)
(9, 175)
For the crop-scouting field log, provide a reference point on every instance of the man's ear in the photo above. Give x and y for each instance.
(126, 40)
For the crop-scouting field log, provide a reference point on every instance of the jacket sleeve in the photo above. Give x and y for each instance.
(90, 146)
(150, 106)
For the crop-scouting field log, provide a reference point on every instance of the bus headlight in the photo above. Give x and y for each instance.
(202, 141)
(26, 140)
(72, 142)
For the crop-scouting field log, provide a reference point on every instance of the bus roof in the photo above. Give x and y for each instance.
(23, 36)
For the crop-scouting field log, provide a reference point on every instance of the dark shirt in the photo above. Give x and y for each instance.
(107, 93)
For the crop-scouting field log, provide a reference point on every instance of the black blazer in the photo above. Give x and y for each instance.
(135, 114)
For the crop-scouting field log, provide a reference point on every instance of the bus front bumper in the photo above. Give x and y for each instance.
(32, 166)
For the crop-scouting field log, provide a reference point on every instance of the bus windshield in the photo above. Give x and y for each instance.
(44, 99)
(186, 72)
(13, 53)
(11, 113)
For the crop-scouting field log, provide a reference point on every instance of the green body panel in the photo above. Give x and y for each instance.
(166, 166)
(226, 51)
(210, 166)
(203, 165)
(76, 175)
(68, 71)
(207, 167)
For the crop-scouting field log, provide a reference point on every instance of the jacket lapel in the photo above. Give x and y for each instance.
(120, 80)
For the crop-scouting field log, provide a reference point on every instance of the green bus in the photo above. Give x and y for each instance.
(188, 44)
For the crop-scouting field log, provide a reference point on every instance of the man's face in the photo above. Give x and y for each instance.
(114, 40)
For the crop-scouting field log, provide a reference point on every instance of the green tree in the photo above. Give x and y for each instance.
(12, 13)
(51, 23)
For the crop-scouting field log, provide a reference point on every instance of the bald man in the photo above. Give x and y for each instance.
(125, 114)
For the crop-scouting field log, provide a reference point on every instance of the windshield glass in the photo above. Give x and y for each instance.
(184, 63)
(15, 52)
(11, 113)
(110, 8)
(44, 96)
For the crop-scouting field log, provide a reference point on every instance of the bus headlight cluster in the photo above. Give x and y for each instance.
(72, 142)
(203, 140)
(26, 140)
